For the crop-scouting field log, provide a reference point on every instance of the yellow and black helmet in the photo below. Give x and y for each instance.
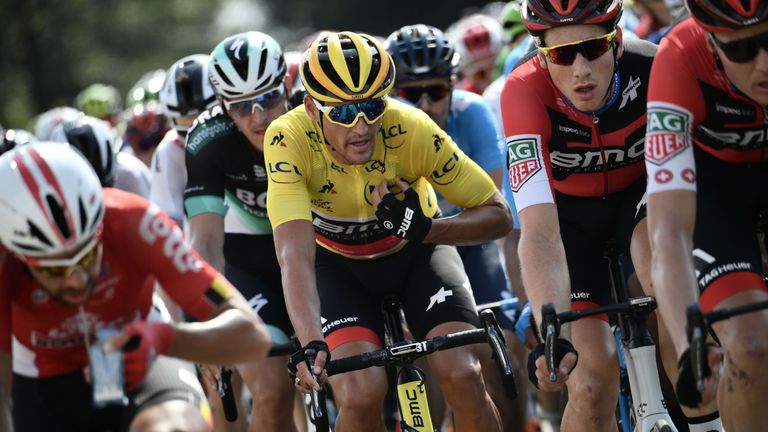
(346, 67)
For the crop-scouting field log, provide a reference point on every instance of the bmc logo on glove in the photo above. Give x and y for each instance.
(406, 223)
(404, 219)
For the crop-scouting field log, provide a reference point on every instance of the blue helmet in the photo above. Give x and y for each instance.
(421, 52)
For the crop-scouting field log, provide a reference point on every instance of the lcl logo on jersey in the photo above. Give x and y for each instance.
(523, 160)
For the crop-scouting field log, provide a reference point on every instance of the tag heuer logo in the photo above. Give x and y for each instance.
(523, 161)
(667, 134)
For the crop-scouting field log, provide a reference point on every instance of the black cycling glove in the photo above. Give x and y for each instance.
(685, 387)
(404, 219)
(563, 347)
(301, 355)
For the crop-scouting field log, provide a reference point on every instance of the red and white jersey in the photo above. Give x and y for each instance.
(691, 103)
(551, 146)
(140, 245)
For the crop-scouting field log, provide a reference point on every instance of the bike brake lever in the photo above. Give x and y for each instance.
(550, 328)
(696, 330)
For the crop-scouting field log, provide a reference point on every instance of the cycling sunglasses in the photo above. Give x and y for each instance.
(592, 48)
(346, 115)
(57, 268)
(414, 94)
(742, 50)
(263, 102)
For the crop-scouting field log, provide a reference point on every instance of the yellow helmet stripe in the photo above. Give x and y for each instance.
(365, 58)
(384, 69)
(317, 70)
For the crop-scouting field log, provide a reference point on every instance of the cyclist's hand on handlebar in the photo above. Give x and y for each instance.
(210, 375)
(404, 219)
(298, 365)
(685, 387)
(537, 366)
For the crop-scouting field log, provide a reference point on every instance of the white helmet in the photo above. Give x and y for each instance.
(94, 139)
(51, 200)
(48, 120)
(187, 89)
(478, 39)
(246, 64)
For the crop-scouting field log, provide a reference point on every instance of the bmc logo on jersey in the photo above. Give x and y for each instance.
(153, 227)
(667, 135)
(523, 160)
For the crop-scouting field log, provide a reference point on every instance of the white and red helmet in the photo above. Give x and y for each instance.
(51, 200)
(478, 40)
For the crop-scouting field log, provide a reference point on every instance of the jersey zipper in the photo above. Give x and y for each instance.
(603, 159)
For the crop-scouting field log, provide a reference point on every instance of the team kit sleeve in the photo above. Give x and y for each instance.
(527, 129)
(675, 102)
(204, 192)
(288, 161)
(454, 175)
(191, 282)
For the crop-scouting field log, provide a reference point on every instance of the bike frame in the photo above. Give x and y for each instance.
(647, 405)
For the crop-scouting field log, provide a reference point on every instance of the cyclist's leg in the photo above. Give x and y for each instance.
(267, 380)
(351, 317)
(170, 398)
(594, 383)
(483, 264)
(729, 272)
(728, 265)
(437, 300)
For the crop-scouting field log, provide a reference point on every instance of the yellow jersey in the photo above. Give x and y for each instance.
(307, 183)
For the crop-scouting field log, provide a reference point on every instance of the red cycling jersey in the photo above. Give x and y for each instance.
(691, 99)
(553, 146)
(140, 245)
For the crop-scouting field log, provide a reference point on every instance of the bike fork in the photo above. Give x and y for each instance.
(648, 402)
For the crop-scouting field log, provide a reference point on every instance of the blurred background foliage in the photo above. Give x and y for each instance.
(52, 49)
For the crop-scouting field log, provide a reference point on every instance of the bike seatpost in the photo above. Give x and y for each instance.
(697, 338)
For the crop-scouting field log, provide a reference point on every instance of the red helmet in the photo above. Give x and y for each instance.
(727, 15)
(542, 15)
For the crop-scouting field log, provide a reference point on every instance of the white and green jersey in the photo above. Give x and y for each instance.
(225, 175)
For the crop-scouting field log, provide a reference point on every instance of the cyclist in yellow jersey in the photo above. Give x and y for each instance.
(355, 172)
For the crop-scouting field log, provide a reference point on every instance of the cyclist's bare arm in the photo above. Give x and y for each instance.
(233, 334)
(542, 259)
(489, 221)
(671, 217)
(295, 247)
(206, 232)
(497, 175)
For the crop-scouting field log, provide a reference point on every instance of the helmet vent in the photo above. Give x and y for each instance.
(59, 218)
(222, 75)
(96, 219)
(262, 63)
(37, 233)
(83, 214)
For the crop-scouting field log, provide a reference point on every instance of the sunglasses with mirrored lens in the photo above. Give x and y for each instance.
(263, 102)
(56, 271)
(414, 94)
(346, 115)
(742, 50)
(592, 48)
